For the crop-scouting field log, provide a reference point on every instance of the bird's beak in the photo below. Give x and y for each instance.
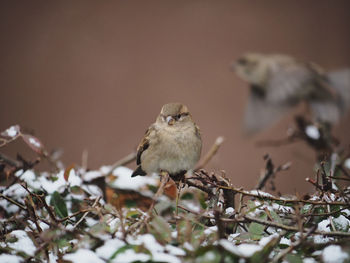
(170, 120)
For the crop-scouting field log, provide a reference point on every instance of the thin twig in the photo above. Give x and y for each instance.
(87, 212)
(124, 161)
(295, 229)
(13, 201)
(286, 251)
(213, 150)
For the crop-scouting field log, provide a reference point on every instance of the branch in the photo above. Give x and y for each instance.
(124, 161)
(213, 150)
(87, 212)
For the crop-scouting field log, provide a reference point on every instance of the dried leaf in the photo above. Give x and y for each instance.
(67, 172)
(34, 143)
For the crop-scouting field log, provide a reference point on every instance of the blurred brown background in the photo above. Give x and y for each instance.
(93, 75)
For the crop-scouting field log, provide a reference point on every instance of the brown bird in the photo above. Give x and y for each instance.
(172, 144)
(279, 82)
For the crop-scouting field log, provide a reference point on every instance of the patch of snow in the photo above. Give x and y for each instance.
(90, 221)
(93, 190)
(341, 222)
(229, 211)
(324, 225)
(347, 163)
(260, 193)
(176, 251)
(174, 234)
(334, 254)
(83, 255)
(6, 258)
(282, 208)
(74, 179)
(131, 256)
(265, 240)
(320, 239)
(210, 230)
(188, 246)
(309, 260)
(125, 181)
(23, 243)
(34, 142)
(313, 132)
(42, 225)
(150, 243)
(105, 169)
(91, 175)
(232, 237)
(163, 257)
(243, 250)
(192, 207)
(109, 247)
(28, 176)
(51, 186)
(210, 256)
(11, 132)
(285, 241)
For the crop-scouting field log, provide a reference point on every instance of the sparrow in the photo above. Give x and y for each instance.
(280, 82)
(172, 144)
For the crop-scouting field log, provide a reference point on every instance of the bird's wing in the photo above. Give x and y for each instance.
(144, 144)
(327, 110)
(259, 113)
(289, 82)
(339, 80)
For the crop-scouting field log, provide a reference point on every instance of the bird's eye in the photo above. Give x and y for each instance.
(177, 117)
(242, 61)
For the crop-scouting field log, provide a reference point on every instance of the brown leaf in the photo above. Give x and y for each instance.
(67, 172)
(34, 143)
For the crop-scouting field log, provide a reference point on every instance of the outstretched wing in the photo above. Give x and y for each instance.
(289, 82)
(260, 114)
(339, 80)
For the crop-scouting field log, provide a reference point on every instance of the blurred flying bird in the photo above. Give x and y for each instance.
(172, 144)
(279, 82)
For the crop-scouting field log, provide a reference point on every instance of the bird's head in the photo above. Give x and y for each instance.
(252, 67)
(174, 114)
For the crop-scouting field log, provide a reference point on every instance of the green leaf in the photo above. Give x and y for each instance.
(59, 205)
(202, 201)
(275, 217)
(214, 254)
(292, 258)
(133, 214)
(162, 228)
(256, 230)
(120, 250)
(77, 190)
(130, 203)
(262, 255)
(306, 209)
(187, 196)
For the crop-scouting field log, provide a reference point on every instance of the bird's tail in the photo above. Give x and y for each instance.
(138, 171)
(339, 80)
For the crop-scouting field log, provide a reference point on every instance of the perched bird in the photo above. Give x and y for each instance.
(172, 144)
(279, 82)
